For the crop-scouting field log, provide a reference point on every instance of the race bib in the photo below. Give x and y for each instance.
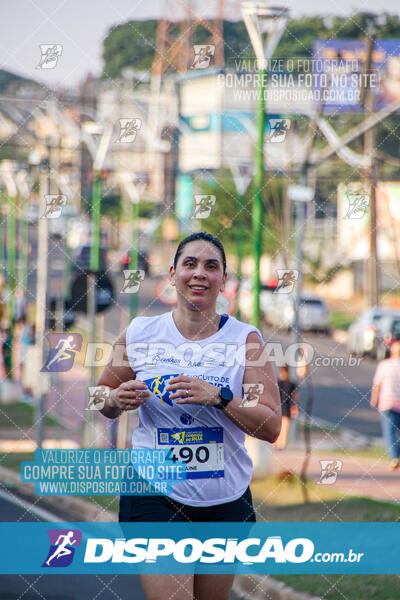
(201, 449)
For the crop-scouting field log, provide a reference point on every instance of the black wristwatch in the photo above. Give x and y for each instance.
(226, 396)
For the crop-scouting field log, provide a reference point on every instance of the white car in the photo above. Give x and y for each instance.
(313, 313)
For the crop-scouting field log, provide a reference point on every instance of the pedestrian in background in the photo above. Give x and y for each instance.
(3, 339)
(19, 305)
(385, 397)
(288, 393)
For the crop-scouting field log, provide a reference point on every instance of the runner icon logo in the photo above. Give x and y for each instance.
(329, 471)
(62, 547)
(63, 347)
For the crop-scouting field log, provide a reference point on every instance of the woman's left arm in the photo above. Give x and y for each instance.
(260, 418)
(259, 413)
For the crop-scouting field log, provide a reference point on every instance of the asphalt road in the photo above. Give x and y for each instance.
(62, 587)
(341, 392)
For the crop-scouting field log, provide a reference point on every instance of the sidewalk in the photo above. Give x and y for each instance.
(67, 403)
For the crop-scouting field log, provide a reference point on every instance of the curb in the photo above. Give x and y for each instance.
(264, 587)
(78, 508)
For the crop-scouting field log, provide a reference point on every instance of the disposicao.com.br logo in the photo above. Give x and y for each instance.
(212, 551)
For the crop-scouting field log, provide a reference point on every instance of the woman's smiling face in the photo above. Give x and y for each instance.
(199, 276)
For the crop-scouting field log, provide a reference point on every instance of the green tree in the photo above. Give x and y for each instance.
(131, 44)
(225, 218)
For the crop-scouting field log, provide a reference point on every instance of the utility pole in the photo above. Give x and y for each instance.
(372, 176)
(301, 195)
(41, 299)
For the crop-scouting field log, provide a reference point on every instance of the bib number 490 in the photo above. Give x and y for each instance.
(186, 455)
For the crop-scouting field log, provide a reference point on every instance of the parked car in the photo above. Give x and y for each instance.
(387, 331)
(81, 258)
(362, 332)
(143, 261)
(313, 313)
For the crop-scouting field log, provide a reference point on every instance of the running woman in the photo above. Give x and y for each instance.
(186, 375)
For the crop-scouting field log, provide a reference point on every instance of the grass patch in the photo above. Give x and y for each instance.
(12, 460)
(372, 452)
(21, 415)
(286, 490)
(110, 503)
(280, 500)
(332, 431)
(340, 320)
(349, 587)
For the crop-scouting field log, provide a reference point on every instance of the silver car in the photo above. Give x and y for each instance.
(362, 332)
(313, 313)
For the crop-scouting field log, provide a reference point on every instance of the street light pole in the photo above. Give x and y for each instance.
(98, 152)
(8, 177)
(133, 258)
(257, 212)
(41, 300)
(260, 18)
(89, 428)
(242, 173)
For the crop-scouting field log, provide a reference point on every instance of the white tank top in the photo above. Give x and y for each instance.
(218, 468)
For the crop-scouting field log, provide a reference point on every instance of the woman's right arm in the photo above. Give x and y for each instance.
(126, 393)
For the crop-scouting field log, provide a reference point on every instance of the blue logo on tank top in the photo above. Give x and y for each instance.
(158, 385)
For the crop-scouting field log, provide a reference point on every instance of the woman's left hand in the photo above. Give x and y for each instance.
(190, 390)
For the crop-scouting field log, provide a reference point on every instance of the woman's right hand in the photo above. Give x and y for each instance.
(130, 395)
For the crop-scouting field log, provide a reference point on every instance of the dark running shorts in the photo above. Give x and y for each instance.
(165, 510)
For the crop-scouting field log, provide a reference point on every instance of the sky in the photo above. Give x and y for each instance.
(80, 28)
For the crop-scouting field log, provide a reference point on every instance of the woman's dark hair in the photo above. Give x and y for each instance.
(201, 235)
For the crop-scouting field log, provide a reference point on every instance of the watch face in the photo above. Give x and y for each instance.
(226, 394)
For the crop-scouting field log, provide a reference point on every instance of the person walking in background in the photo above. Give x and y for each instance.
(385, 396)
(19, 305)
(288, 393)
(3, 339)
